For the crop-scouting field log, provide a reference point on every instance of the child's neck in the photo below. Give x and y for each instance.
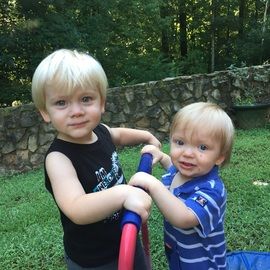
(91, 138)
(178, 181)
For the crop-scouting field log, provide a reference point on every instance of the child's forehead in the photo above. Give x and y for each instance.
(192, 131)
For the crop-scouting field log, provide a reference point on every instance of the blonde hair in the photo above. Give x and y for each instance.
(210, 117)
(65, 70)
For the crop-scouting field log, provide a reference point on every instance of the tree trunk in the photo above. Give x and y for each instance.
(242, 7)
(263, 28)
(165, 47)
(182, 17)
(213, 14)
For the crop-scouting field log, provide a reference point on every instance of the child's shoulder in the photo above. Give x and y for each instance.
(101, 128)
(103, 133)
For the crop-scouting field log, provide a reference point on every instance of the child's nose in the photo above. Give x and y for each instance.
(76, 109)
(188, 150)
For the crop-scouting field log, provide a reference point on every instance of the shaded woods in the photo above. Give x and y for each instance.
(135, 41)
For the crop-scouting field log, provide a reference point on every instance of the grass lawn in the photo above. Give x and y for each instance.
(31, 236)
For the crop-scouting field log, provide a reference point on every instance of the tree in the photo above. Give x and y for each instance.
(164, 15)
(134, 40)
(183, 27)
(213, 17)
(242, 8)
(264, 28)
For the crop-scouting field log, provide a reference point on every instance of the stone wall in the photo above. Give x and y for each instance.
(24, 137)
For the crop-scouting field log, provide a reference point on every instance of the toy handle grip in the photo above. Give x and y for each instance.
(131, 224)
(145, 165)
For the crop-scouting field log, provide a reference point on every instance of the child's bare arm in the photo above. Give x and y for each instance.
(129, 136)
(173, 209)
(84, 208)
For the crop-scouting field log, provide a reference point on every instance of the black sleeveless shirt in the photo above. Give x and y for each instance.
(98, 168)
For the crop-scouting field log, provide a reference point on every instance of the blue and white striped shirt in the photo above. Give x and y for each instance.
(202, 247)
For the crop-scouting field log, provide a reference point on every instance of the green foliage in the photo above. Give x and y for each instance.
(135, 40)
(31, 234)
(245, 101)
(251, 50)
(193, 63)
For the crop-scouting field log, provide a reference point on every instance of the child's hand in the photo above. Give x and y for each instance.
(154, 151)
(139, 202)
(154, 141)
(158, 156)
(142, 180)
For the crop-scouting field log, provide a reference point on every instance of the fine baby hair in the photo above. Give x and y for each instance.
(67, 70)
(209, 117)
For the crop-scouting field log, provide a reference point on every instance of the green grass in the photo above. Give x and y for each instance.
(31, 236)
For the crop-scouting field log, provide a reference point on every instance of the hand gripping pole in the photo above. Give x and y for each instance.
(131, 224)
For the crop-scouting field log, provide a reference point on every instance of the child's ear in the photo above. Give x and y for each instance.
(45, 116)
(220, 159)
(103, 106)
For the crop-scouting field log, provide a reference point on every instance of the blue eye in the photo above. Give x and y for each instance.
(202, 147)
(86, 99)
(60, 103)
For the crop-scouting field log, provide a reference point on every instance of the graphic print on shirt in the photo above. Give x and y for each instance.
(107, 179)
